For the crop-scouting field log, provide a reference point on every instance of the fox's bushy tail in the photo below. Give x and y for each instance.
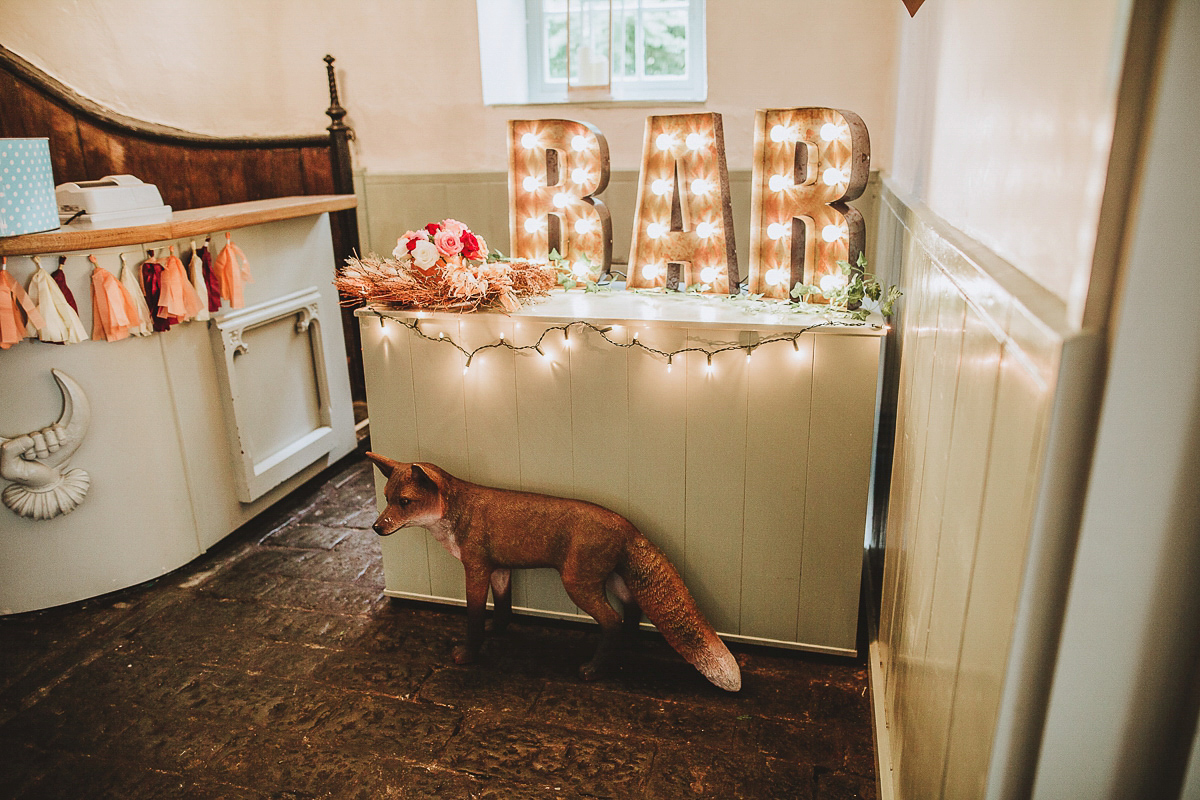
(660, 592)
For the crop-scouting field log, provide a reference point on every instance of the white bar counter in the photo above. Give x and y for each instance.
(752, 476)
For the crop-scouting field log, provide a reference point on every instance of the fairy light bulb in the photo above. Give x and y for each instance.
(705, 230)
(660, 186)
(441, 335)
(583, 225)
(651, 272)
(709, 367)
(829, 132)
(579, 175)
(709, 274)
(693, 141)
(655, 230)
(774, 277)
(532, 225)
(833, 176)
(778, 183)
(701, 186)
(530, 184)
(779, 133)
(669, 359)
(831, 233)
(663, 141)
(776, 230)
(529, 141)
(561, 199)
(635, 335)
(579, 143)
(749, 354)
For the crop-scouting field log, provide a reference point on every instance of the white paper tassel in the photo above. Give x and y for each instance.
(197, 270)
(62, 323)
(130, 281)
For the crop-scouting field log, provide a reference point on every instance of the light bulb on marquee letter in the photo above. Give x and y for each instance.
(803, 232)
(683, 215)
(555, 169)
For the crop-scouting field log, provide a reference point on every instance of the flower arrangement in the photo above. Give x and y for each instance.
(444, 266)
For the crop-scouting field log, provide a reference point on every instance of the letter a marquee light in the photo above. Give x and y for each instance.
(808, 162)
(555, 166)
(683, 227)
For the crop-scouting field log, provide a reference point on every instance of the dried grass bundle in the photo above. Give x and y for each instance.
(454, 284)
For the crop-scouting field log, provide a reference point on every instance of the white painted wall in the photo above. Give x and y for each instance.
(409, 70)
(1005, 113)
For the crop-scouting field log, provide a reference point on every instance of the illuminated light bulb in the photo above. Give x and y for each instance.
(831, 233)
(776, 230)
(749, 354)
(502, 337)
(561, 199)
(583, 225)
(778, 183)
(651, 272)
(530, 184)
(829, 132)
(441, 335)
(466, 366)
(831, 283)
(779, 133)
(579, 175)
(664, 141)
(709, 368)
(635, 336)
(693, 141)
(540, 351)
(705, 230)
(660, 186)
(529, 141)
(655, 229)
(709, 274)
(579, 143)
(581, 271)
(700, 186)
(774, 277)
(532, 224)
(669, 363)
(833, 176)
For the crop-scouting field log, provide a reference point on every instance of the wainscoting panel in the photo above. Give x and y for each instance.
(973, 511)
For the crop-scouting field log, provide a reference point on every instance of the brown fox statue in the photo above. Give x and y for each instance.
(492, 531)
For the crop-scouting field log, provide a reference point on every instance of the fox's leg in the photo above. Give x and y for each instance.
(591, 599)
(501, 599)
(477, 592)
(633, 612)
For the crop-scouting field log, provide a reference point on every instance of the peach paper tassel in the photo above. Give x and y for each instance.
(177, 298)
(197, 270)
(61, 323)
(143, 324)
(113, 311)
(230, 274)
(16, 309)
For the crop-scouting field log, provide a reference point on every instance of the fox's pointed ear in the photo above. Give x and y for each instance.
(428, 476)
(385, 464)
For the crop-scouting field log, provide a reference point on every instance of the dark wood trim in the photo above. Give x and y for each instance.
(103, 117)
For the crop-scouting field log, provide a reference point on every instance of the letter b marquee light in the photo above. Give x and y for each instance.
(683, 228)
(555, 166)
(808, 162)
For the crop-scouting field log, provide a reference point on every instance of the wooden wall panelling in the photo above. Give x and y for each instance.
(599, 398)
(203, 168)
(389, 367)
(316, 170)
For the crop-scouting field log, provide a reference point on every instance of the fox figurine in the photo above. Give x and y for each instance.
(492, 531)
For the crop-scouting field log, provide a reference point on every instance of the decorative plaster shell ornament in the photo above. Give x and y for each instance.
(42, 487)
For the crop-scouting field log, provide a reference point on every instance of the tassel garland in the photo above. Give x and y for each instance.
(143, 321)
(231, 274)
(177, 299)
(113, 310)
(60, 278)
(17, 310)
(196, 267)
(210, 276)
(62, 324)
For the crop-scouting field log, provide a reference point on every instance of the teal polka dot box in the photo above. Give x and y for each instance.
(27, 203)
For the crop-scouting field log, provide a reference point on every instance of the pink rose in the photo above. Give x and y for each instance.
(406, 243)
(454, 226)
(448, 244)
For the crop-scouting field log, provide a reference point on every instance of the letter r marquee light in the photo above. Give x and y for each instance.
(683, 225)
(808, 162)
(555, 167)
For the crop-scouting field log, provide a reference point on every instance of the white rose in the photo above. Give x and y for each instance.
(425, 255)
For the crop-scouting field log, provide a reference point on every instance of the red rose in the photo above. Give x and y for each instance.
(433, 228)
(469, 242)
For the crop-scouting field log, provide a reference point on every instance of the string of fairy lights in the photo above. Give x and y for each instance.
(635, 342)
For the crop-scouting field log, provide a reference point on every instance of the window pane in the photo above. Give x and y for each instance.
(556, 47)
(665, 34)
(589, 42)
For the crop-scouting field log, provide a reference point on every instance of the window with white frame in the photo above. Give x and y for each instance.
(593, 50)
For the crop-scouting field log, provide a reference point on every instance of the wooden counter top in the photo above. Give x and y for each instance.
(192, 222)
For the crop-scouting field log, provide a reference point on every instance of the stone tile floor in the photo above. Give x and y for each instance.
(273, 666)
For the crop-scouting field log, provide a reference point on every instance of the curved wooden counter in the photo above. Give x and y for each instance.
(183, 224)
